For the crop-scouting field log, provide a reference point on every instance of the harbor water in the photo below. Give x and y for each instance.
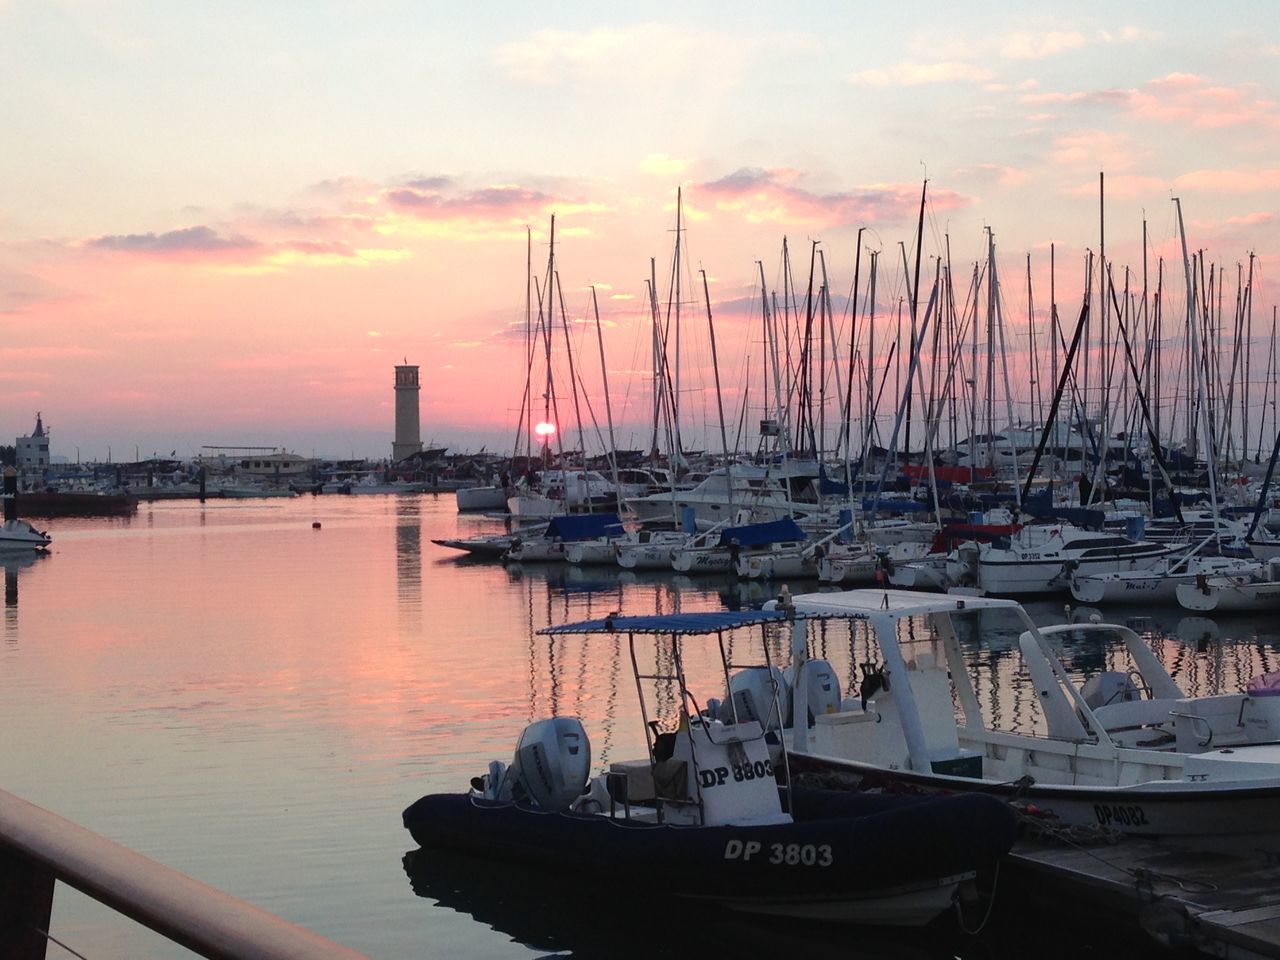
(250, 692)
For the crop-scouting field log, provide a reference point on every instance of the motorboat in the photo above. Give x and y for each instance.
(651, 548)
(562, 491)
(20, 535)
(724, 495)
(492, 546)
(1043, 557)
(1125, 750)
(551, 543)
(710, 815)
(1255, 586)
(934, 569)
(736, 545)
(1155, 585)
(852, 563)
(490, 497)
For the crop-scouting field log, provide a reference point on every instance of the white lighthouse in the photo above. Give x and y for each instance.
(408, 439)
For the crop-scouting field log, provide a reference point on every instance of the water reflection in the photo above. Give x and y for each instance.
(409, 560)
(14, 564)
(564, 916)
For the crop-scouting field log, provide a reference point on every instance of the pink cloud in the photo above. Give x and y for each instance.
(428, 199)
(1094, 149)
(1190, 99)
(1123, 185)
(1230, 181)
(760, 196)
(1254, 219)
(993, 173)
(1092, 97)
(197, 242)
(1176, 98)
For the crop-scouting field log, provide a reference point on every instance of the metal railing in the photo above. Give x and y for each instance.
(39, 848)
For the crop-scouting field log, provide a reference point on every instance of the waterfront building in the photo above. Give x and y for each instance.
(256, 463)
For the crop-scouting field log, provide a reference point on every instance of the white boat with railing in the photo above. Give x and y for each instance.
(16, 534)
(1042, 558)
(551, 543)
(1156, 585)
(489, 497)
(651, 548)
(735, 546)
(723, 495)
(1124, 749)
(560, 491)
(1256, 587)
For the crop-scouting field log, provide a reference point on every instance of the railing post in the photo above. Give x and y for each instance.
(26, 900)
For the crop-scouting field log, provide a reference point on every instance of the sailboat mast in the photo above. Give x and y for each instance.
(1210, 458)
(715, 366)
(608, 403)
(853, 350)
(867, 411)
(544, 309)
(915, 302)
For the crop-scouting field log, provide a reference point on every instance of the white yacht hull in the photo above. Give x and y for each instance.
(1239, 815)
(923, 574)
(1021, 575)
(777, 565)
(590, 552)
(482, 498)
(849, 570)
(700, 560)
(645, 556)
(1222, 594)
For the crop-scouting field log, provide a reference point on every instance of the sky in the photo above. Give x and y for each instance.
(225, 224)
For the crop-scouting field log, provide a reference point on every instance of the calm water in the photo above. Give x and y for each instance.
(253, 701)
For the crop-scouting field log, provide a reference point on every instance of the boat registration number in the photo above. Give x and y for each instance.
(748, 770)
(1127, 815)
(790, 854)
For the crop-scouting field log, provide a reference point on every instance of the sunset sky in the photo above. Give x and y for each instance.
(226, 223)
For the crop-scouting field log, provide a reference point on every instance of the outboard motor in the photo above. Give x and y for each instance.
(553, 762)
(751, 693)
(1109, 687)
(968, 556)
(823, 690)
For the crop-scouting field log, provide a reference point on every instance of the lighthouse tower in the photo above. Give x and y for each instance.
(408, 432)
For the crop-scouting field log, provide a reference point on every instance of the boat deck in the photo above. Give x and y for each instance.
(1221, 904)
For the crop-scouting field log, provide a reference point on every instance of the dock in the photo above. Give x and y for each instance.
(1220, 904)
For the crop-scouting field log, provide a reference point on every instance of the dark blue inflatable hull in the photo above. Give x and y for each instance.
(840, 846)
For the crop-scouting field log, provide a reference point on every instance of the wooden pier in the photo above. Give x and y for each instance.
(1220, 904)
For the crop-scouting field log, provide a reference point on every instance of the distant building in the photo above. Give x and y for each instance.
(408, 429)
(32, 455)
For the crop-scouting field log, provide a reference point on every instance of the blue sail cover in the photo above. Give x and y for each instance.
(584, 526)
(1080, 516)
(830, 488)
(758, 534)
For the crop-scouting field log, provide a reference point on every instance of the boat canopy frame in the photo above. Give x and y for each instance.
(676, 627)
